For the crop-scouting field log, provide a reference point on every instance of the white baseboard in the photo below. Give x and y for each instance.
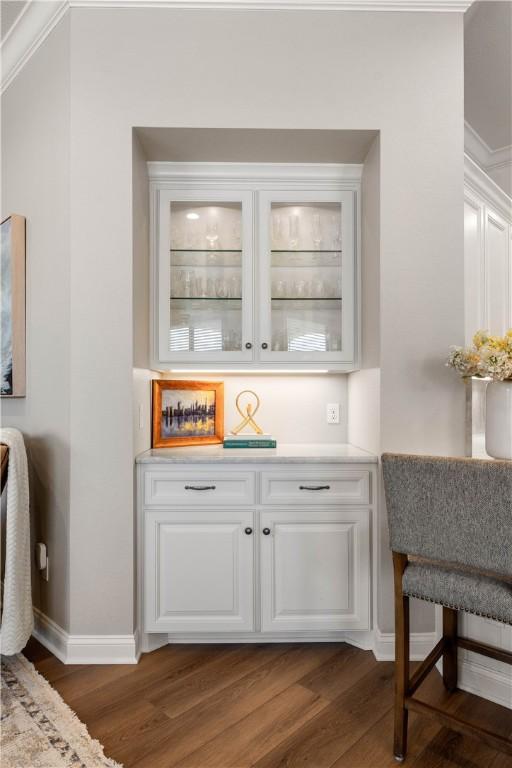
(49, 634)
(421, 643)
(493, 683)
(360, 638)
(84, 649)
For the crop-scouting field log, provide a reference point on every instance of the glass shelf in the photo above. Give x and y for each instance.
(206, 250)
(305, 259)
(205, 298)
(306, 298)
(206, 259)
(310, 250)
(306, 305)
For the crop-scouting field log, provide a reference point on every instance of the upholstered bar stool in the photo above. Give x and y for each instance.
(450, 526)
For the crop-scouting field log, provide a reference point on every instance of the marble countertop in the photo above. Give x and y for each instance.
(292, 453)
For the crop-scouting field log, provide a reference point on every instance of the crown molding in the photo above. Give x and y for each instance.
(476, 178)
(28, 32)
(291, 5)
(481, 153)
(254, 173)
(37, 19)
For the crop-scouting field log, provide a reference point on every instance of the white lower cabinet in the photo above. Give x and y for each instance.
(315, 570)
(265, 568)
(199, 571)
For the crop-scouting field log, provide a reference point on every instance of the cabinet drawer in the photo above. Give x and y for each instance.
(197, 488)
(337, 486)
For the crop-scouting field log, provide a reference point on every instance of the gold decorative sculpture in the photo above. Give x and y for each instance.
(248, 416)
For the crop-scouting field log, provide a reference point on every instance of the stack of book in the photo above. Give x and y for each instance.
(249, 441)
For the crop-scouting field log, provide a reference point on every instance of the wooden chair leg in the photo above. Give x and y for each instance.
(401, 658)
(450, 652)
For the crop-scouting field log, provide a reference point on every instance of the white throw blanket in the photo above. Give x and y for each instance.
(17, 614)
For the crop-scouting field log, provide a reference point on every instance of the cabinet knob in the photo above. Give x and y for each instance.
(266, 531)
(248, 345)
(248, 531)
(264, 345)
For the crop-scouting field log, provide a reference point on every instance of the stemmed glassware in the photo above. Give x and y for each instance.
(212, 235)
(293, 222)
(277, 232)
(317, 231)
(336, 228)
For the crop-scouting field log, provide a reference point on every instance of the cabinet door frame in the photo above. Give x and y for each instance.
(359, 617)
(349, 275)
(160, 249)
(241, 620)
(493, 219)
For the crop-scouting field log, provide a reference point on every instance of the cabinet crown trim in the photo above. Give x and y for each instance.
(254, 172)
(478, 180)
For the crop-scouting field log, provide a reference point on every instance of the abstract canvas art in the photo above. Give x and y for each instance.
(12, 306)
(187, 413)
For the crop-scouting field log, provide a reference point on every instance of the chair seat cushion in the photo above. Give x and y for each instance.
(469, 592)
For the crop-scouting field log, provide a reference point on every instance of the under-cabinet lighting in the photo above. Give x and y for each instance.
(247, 371)
(192, 215)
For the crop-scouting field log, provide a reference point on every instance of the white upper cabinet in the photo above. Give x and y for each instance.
(204, 278)
(255, 266)
(306, 276)
(487, 254)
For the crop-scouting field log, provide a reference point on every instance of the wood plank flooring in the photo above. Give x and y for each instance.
(268, 706)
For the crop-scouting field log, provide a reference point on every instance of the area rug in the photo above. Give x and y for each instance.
(38, 730)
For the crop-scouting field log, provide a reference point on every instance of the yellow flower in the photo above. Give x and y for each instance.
(480, 338)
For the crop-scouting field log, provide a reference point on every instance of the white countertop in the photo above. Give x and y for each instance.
(292, 453)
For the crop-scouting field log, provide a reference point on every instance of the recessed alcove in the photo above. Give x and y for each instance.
(283, 396)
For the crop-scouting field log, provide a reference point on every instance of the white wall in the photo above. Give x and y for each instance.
(293, 408)
(364, 385)
(255, 69)
(315, 73)
(35, 184)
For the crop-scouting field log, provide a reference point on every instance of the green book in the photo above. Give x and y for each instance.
(250, 443)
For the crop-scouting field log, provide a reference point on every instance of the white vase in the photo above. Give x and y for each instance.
(498, 419)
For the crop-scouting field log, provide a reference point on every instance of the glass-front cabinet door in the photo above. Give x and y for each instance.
(307, 276)
(205, 276)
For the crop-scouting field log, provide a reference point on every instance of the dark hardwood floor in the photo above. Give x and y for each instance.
(268, 706)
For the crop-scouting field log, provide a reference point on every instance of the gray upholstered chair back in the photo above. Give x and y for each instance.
(454, 510)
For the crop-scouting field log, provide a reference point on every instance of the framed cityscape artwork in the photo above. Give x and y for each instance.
(187, 413)
(12, 306)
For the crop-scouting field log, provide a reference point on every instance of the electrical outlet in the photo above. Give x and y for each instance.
(42, 561)
(333, 413)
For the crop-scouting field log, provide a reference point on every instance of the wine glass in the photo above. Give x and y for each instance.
(220, 288)
(316, 231)
(277, 231)
(336, 228)
(293, 223)
(212, 235)
(237, 238)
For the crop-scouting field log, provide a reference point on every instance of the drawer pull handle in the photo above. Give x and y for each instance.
(200, 487)
(266, 531)
(314, 487)
(248, 531)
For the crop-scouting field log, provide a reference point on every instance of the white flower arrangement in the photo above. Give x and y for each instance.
(490, 357)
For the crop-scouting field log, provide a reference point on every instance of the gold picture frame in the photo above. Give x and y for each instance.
(12, 307)
(187, 413)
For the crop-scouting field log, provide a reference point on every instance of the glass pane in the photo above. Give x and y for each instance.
(205, 277)
(306, 283)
